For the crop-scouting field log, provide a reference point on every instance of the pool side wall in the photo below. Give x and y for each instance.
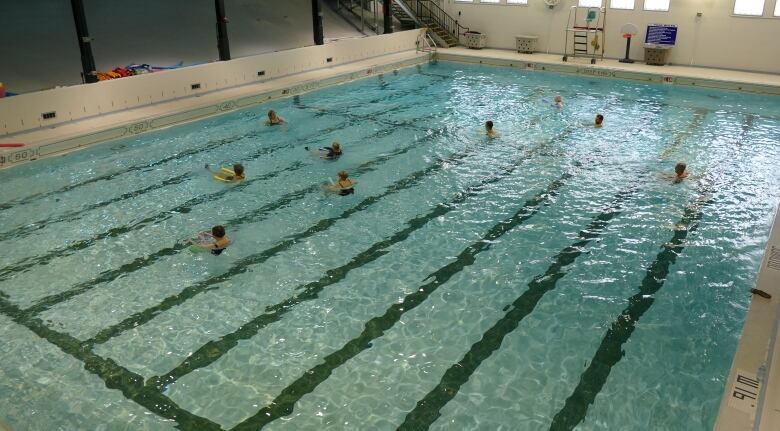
(22, 117)
(662, 76)
(751, 400)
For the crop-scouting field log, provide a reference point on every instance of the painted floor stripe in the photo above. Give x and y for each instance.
(28, 263)
(115, 377)
(428, 409)
(213, 350)
(283, 404)
(610, 350)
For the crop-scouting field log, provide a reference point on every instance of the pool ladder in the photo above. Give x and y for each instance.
(425, 43)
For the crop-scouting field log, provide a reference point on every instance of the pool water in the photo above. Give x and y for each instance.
(551, 278)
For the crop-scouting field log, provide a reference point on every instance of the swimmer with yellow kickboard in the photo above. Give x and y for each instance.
(226, 175)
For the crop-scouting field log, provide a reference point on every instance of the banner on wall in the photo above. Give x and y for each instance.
(661, 34)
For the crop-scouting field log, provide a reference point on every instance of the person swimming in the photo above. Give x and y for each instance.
(344, 186)
(489, 129)
(215, 242)
(332, 153)
(222, 175)
(274, 119)
(558, 102)
(599, 120)
(680, 172)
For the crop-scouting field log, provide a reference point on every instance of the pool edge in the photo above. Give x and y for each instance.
(222, 102)
(751, 398)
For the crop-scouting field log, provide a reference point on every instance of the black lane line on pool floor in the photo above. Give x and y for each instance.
(213, 350)
(284, 403)
(114, 376)
(241, 266)
(428, 409)
(190, 152)
(250, 217)
(27, 263)
(139, 263)
(610, 350)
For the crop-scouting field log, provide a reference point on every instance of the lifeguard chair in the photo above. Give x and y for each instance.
(585, 33)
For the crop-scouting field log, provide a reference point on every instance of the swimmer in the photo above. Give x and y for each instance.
(599, 120)
(331, 153)
(680, 172)
(216, 241)
(238, 170)
(558, 102)
(274, 119)
(344, 186)
(489, 129)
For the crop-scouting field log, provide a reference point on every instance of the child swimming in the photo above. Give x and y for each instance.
(489, 129)
(599, 120)
(680, 172)
(558, 102)
(274, 119)
(344, 186)
(216, 242)
(226, 175)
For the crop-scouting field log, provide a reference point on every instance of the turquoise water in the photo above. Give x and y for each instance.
(551, 278)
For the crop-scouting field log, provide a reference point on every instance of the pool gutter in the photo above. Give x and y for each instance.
(751, 400)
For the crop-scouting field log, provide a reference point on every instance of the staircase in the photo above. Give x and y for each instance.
(424, 13)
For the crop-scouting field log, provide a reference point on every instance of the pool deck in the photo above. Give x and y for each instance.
(751, 400)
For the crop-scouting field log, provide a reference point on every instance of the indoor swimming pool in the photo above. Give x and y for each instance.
(551, 278)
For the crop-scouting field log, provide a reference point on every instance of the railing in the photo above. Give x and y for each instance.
(427, 10)
(425, 42)
(367, 13)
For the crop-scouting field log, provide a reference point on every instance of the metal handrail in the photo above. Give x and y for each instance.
(427, 9)
(425, 42)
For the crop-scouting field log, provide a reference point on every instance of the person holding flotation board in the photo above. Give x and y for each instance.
(344, 186)
(226, 175)
(215, 242)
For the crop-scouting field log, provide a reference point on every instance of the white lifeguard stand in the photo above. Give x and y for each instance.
(585, 33)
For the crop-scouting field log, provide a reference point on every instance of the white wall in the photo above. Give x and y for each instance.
(23, 112)
(716, 40)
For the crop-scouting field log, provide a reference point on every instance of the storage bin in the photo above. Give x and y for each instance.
(526, 43)
(657, 55)
(475, 40)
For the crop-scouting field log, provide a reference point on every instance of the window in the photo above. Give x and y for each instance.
(749, 7)
(589, 3)
(489, 1)
(622, 4)
(463, 1)
(777, 8)
(516, 1)
(657, 5)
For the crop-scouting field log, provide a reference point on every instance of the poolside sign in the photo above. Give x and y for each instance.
(661, 34)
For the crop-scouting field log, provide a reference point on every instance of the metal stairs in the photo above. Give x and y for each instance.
(422, 13)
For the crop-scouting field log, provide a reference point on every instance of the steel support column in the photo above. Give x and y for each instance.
(387, 16)
(316, 16)
(85, 43)
(223, 44)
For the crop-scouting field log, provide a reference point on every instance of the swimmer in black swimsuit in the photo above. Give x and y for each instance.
(331, 153)
(218, 245)
(273, 119)
(344, 186)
